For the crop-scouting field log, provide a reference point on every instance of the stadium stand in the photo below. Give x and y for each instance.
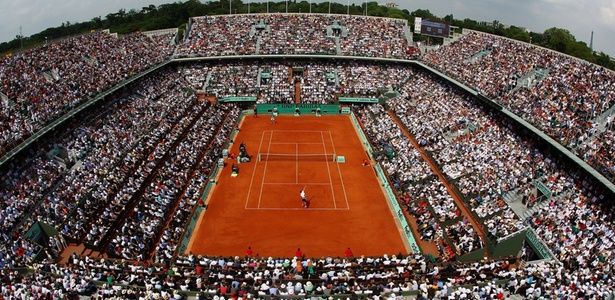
(286, 34)
(559, 94)
(125, 179)
(366, 36)
(219, 36)
(45, 82)
(297, 34)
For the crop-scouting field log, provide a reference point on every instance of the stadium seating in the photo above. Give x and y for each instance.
(559, 94)
(45, 82)
(134, 170)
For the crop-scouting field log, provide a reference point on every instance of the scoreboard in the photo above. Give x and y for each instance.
(431, 27)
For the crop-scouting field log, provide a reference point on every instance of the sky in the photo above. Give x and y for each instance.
(580, 17)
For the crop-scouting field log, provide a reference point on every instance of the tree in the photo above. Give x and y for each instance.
(605, 60)
(395, 14)
(498, 28)
(96, 23)
(518, 34)
(580, 50)
(149, 9)
(557, 39)
(423, 13)
(374, 9)
(536, 38)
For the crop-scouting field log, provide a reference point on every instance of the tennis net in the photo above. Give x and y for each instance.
(295, 157)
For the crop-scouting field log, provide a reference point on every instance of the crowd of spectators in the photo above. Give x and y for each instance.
(166, 41)
(139, 231)
(148, 159)
(171, 235)
(279, 86)
(571, 224)
(195, 75)
(14, 126)
(464, 237)
(143, 227)
(45, 82)
(561, 101)
(365, 79)
(485, 160)
(276, 82)
(318, 278)
(559, 94)
(233, 79)
(435, 193)
(283, 34)
(579, 231)
(25, 186)
(482, 154)
(405, 166)
(219, 36)
(494, 158)
(374, 37)
(253, 278)
(44, 190)
(318, 83)
(297, 34)
(111, 155)
(422, 195)
(599, 152)
(107, 151)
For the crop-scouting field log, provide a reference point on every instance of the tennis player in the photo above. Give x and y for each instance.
(303, 199)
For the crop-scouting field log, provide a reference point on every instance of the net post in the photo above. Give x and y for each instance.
(259, 157)
(333, 157)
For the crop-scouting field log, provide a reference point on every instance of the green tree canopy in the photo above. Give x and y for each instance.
(557, 39)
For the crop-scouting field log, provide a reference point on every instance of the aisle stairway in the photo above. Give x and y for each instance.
(297, 92)
(460, 204)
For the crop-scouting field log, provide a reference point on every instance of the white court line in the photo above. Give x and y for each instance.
(300, 183)
(296, 163)
(340, 173)
(330, 183)
(254, 172)
(290, 208)
(316, 131)
(260, 195)
(328, 169)
(296, 143)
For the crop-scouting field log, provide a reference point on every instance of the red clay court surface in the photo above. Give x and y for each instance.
(262, 208)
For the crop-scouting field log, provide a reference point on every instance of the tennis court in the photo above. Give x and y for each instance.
(290, 160)
(261, 207)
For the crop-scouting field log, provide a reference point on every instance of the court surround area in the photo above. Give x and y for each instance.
(291, 160)
(261, 207)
